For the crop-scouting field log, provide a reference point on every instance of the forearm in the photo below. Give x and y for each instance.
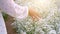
(7, 6)
(13, 9)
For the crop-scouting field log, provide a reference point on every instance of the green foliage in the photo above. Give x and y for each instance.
(5, 16)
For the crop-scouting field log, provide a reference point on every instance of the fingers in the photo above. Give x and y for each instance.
(35, 17)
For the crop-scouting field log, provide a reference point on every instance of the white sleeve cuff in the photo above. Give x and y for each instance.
(21, 12)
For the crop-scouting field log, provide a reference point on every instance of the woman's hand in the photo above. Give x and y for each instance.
(34, 14)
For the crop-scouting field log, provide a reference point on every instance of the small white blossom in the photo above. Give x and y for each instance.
(52, 32)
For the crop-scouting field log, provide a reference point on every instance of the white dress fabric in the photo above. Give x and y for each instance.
(2, 25)
(12, 9)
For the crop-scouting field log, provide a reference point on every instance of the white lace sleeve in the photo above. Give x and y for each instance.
(21, 11)
(13, 9)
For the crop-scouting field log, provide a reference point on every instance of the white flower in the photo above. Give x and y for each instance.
(23, 32)
(52, 32)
